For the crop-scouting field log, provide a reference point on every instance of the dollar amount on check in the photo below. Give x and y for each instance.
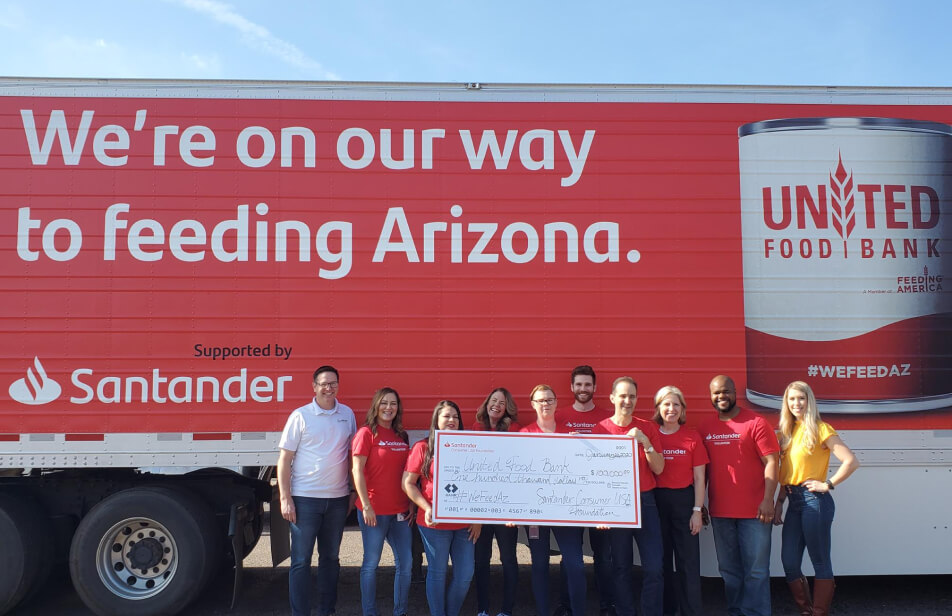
(550, 479)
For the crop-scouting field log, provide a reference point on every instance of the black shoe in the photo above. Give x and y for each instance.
(561, 610)
(608, 611)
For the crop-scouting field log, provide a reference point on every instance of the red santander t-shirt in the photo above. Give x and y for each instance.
(646, 478)
(415, 465)
(736, 473)
(682, 451)
(581, 422)
(386, 456)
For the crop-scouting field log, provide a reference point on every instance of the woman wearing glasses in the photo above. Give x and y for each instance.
(569, 538)
(497, 413)
(380, 451)
(442, 542)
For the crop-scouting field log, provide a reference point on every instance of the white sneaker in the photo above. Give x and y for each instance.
(483, 614)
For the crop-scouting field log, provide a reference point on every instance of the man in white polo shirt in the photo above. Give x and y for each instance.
(314, 480)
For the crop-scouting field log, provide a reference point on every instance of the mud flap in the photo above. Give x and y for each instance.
(280, 530)
(237, 525)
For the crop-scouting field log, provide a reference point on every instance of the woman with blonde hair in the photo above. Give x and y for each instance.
(806, 442)
(680, 497)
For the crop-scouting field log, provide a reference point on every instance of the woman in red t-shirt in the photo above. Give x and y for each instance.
(442, 542)
(380, 450)
(680, 496)
(497, 413)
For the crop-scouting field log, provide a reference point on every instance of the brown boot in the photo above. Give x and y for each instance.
(822, 596)
(800, 589)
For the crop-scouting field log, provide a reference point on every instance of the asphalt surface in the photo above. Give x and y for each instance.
(264, 591)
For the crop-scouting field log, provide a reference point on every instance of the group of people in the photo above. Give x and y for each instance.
(326, 466)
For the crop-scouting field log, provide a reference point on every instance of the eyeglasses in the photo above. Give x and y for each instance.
(544, 402)
(329, 385)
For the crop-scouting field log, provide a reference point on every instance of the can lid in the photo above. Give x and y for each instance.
(769, 126)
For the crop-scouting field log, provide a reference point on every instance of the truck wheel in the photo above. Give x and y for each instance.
(27, 550)
(144, 551)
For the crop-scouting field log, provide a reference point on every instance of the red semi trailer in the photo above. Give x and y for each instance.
(177, 258)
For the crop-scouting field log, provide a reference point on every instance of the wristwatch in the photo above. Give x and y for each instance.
(650, 448)
(830, 485)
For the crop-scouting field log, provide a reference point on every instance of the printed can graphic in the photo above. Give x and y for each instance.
(846, 227)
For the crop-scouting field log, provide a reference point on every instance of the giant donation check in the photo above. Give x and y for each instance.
(551, 479)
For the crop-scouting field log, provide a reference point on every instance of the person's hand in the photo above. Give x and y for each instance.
(428, 516)
(603, 527)
(778, 514)
(370, 516)
(474, 530)
(816, 486)
(696, 522)
(765, 511)
(639, 436)
(288, 512)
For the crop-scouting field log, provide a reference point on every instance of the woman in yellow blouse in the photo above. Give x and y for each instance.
(805, 443)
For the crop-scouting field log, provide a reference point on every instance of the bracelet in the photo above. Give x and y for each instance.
(696, 509)
(829, 484)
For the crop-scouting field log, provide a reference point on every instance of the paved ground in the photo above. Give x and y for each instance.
(265, 591)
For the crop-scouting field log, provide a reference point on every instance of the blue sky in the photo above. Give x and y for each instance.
(807, 42)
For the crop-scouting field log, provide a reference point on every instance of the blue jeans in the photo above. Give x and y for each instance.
(807, 524)
(569, 539)
(397, 533)
(648, 538)
(320, 519)
(440, 547)
(506, 538)
(743, 558)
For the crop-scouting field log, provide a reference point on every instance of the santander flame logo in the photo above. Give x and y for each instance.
(36, 388)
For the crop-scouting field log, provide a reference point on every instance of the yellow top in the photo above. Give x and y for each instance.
(797, 464)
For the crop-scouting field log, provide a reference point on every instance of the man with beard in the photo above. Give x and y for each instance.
(743, 474)
(581, 418)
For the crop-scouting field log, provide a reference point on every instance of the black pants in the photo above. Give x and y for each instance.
(682, 588)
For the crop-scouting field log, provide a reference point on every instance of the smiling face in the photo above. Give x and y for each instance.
(723, 395)
(496, 408)
(583, 388)
(447, 419)
(387, 410)
(797, 402)
(325, 389)
(624, 396)
(671, 410)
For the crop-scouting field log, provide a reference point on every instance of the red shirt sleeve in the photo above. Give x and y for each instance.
(415, 460)
(363, 442)
(765, 438)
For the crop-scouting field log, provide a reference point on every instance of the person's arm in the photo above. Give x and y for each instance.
(285, 457)
(655, 458)
(360, 485)
(765, 511)
(697, 518)
(412, 491)
(848, 464)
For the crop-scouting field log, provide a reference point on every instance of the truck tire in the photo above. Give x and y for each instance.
(144, 551)
(27, 550)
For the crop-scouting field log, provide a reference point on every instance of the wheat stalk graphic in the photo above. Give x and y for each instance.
(842, 201)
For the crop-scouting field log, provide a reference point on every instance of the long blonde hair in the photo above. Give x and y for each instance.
(810, 418)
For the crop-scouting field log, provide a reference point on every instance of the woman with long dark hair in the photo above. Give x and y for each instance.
(380, 450)
(497, 413)
(442, 542)
(806, 442)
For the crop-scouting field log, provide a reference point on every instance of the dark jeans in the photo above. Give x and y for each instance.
(807, 525)
(320, 519)
(506, 539)
(601, 543)
(569, 539)
(743, 558)
(648, 538)
(682, 587)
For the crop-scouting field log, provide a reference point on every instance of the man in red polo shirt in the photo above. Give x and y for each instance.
(742, 482)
